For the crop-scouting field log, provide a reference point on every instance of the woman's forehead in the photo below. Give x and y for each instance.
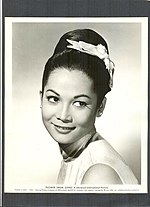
(69, 80)
(66, 74)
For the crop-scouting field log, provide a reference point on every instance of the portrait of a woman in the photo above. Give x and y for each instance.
(75, 81)
(75, 97)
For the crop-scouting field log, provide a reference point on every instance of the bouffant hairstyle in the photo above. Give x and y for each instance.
(70, 59)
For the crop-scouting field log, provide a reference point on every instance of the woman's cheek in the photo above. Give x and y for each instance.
(83, 116)
(47, 111)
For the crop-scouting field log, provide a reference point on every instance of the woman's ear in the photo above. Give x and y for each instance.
(101, 107)
(41, 96)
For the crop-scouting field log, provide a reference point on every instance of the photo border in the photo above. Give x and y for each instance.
(27, 8)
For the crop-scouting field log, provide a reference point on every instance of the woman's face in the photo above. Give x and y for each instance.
(69, 105)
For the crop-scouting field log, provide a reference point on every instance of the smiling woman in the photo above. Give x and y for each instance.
(75, 81)
(69, 107)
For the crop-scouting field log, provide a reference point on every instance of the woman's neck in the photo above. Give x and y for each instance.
(70, 150)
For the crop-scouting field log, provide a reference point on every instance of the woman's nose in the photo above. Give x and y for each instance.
(64, 114)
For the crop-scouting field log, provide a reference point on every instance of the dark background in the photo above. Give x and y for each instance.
(74, 8)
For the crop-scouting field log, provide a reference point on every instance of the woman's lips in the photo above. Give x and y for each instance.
(63, 129)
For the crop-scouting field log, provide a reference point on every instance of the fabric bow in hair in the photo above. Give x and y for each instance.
(100, 51)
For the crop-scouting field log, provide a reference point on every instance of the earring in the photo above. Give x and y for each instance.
(99, 113)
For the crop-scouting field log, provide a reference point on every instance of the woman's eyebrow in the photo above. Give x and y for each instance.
(82, 95)
(51, 90)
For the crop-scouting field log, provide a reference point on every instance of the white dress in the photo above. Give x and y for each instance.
(98, 151)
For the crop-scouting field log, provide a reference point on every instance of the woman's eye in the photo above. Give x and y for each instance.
(53, 99)
(80, 104)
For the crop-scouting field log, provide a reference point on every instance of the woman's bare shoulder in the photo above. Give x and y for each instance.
(101, 174)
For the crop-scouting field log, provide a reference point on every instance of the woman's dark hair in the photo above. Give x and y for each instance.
(71, 59)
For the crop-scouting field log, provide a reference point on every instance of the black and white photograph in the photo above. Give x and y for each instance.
(76, 105)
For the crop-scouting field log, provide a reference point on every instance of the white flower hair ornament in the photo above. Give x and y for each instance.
(100, 51)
